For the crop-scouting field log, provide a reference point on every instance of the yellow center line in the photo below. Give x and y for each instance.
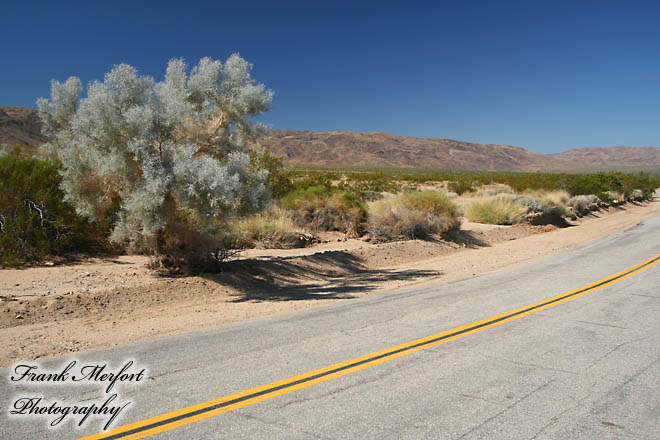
(195, 413)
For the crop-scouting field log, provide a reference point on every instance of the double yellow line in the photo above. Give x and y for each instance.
(175, 419)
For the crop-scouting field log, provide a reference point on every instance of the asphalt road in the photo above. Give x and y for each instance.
(587, 368)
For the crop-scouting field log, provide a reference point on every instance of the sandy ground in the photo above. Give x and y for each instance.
(55, 310)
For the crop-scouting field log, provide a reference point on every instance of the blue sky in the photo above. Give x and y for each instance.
(544, 75)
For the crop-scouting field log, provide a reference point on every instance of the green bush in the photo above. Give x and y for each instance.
(460, 186)
(279, 174)
(320, 208)
(35, 222)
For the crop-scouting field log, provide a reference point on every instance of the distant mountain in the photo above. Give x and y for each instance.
(604, 157)
(386, 150)
(19, 125)
(22, 125)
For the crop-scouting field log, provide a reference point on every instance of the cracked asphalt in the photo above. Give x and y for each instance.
(588, 368)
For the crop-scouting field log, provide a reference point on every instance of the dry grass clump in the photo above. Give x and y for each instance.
(272, 229)
(500, 209)
(545, 203)
(583, 204)
(433, 202)
(412, 215)
(614, 197)
(187, 247)
(557, 197)
(637, 195)
(319, 208)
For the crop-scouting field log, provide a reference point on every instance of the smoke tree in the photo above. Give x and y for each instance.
(167, 155)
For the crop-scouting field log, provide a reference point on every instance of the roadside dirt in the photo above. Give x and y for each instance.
(55, 310)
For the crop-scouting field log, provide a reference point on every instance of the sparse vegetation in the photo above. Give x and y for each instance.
(460, 186)
(541, 204)
(500, 209)
(637, 195)
(320, 208)
(398, 179)
(582, 205)
(412, 215)
(614, 197)
(272, 229)
(313, 200)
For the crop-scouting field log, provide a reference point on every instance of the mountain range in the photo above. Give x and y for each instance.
(347, 148)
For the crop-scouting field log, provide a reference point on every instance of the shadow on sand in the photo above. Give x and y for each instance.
(327, 275)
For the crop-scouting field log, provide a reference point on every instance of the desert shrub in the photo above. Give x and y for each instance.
(430, 202)
(192, 246)
(172, 152)
(272, 229)
(500, 209)
(540, 204)
(279, 180)
(583, 204)
(319, 208)
(637, 195)
(460, 186)
(370, 196)
(412, 215)
(613, 197)
(35, 221)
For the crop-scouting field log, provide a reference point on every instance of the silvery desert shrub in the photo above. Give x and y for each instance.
(172, 151)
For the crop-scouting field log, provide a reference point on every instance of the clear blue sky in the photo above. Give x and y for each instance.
(544, 75)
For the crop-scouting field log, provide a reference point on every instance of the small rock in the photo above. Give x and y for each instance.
(60, 307)
(17, 284)
(19, 316)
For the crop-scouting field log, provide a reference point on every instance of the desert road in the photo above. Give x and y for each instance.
(567, 347)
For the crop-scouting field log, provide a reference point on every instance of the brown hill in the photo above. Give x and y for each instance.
(386, 150)
(19, 125)
(603, 157)
(22, 125)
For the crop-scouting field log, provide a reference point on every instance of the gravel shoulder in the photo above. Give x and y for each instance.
(60, 309)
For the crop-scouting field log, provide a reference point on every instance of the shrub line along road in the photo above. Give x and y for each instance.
(579, 364)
